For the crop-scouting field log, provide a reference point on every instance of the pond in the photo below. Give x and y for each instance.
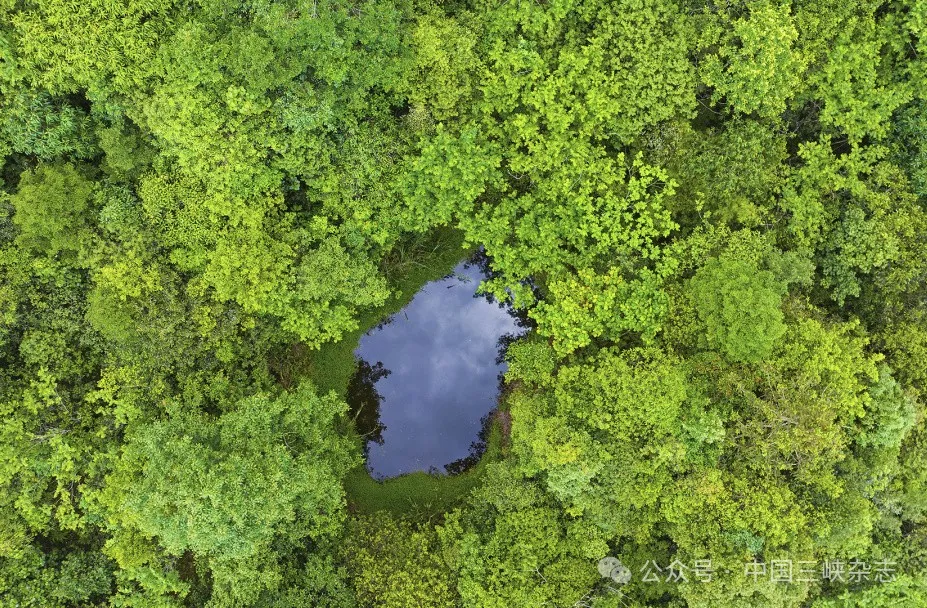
(428, 377)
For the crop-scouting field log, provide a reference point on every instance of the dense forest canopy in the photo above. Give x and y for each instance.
(714, 213)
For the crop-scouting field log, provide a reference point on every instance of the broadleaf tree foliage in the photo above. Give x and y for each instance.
(714, 215)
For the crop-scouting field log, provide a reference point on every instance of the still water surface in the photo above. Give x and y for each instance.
(428, 377)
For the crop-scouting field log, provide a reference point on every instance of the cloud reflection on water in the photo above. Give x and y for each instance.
(441, 352)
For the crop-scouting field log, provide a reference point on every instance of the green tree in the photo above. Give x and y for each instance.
(392, 564)
(740, 306)
(510, 546)
(53, 204)
(754, 65)
(226, 488)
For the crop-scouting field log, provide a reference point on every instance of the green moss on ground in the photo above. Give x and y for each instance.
(420, 496)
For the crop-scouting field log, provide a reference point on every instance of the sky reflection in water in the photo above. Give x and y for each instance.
(432, 370)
